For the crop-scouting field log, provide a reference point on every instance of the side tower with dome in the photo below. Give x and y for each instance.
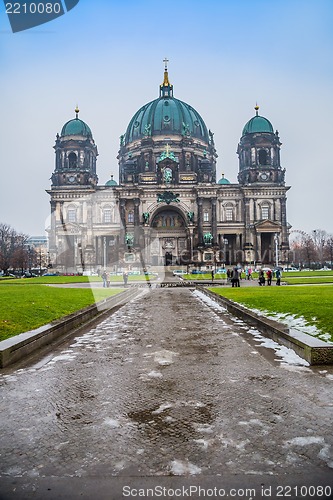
(168, 208)
(76, 155)
(262, 180)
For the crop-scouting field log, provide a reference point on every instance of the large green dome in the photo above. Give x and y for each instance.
(166, 116)
(76, 127)
(257, 124)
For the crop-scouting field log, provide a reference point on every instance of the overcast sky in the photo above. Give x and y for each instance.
(225, 55)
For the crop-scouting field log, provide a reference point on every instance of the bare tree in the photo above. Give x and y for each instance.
(319, 241)
(329, 250)
(12, 249)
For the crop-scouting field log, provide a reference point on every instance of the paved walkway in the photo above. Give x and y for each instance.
(173, 392)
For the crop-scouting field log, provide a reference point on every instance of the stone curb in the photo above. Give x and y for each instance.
(24, 344)
(313, 350)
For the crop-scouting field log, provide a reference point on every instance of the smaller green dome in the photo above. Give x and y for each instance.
(111, 182)
(76, 127)
(258, 124)
(223, 180)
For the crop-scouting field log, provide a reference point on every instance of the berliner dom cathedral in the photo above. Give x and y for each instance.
(169, 207)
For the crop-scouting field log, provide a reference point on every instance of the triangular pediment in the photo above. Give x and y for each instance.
(268, 226)
(72, 228)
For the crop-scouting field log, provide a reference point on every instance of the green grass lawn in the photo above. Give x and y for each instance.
(206, 276)
(24, 308)
(71, 279)
(292, 278)
(314, 303)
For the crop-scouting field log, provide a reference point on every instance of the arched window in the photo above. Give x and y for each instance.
(265, 211)
(72, 160)
(263, 157)
(228, 214)
(71, 215)
(107, 215)
(130, 217)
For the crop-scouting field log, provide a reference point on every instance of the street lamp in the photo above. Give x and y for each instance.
(104, 252)
(276, 240)
(225, 244)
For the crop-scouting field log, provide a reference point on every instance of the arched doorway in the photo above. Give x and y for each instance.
(168, 227)
(168, 259)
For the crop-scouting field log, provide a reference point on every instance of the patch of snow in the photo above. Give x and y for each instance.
(111, 422)
(293, 321)
(169, 419)
(161, 408)
(305, 440)
(324, 453)
(164, 357)
(181, 468)
(210, 302)
(154, 374)
(206, 428)
(288, 356)
(252, 421)
(63, 357)
(203, 442)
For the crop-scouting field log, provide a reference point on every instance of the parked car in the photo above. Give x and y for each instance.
(50, 274)
(178, 272)
(287, 269)
(221, 270)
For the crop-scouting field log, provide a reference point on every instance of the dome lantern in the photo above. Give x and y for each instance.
(166, 89)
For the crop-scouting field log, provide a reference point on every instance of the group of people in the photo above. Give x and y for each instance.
(106, 278)
(235, 275)
(269, 276)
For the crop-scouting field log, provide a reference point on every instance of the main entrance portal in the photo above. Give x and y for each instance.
(168, 258)
(169, 229)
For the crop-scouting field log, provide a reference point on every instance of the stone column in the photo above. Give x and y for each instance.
(52, 234)
(214, 221)
(136, 221)
(122, 222)
(200, 220)
(258, 253)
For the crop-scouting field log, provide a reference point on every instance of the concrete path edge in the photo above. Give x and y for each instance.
(24, 344)
(313, 350)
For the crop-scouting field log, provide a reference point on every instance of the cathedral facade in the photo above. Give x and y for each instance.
(168, 208)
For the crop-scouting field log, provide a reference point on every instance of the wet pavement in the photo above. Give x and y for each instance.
(169, 390)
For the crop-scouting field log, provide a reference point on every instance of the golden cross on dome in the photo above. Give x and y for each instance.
(167, 149)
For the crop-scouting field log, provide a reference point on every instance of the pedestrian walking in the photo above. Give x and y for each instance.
(278, 277)
(212, 273)
(125, 278)
(104, 278)
(269, 277)
(235, 278)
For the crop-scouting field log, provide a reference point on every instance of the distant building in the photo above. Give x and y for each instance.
(168, 207)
